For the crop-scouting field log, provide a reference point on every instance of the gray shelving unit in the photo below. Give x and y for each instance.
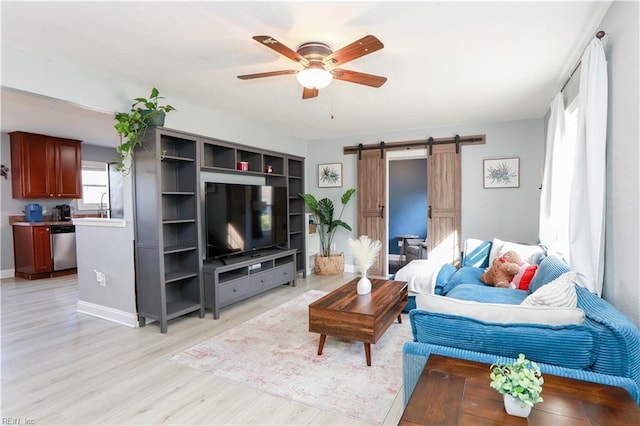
(241, 277)
(277, 168)
(167, 218)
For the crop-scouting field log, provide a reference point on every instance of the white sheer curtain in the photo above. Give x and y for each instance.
(551, 221)
(587, 200)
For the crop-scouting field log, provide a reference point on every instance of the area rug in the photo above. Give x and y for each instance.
(275, 352)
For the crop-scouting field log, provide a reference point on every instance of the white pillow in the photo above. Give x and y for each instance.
(528, 253)
(496, 248)
(498, 312)
(560, 292)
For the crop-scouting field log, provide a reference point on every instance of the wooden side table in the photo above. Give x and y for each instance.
(403, 247)
(453, 391)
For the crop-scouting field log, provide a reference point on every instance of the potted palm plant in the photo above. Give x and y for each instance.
(327, 225)
(132, 124)
(520, 383)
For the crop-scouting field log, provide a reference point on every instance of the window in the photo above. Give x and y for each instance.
(95, 186)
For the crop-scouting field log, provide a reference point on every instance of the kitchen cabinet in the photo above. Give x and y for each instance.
(32, 251)
(45, 166)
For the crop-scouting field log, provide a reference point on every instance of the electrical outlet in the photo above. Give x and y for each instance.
(101, 278)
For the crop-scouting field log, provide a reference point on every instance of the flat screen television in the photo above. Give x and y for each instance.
(243, 218)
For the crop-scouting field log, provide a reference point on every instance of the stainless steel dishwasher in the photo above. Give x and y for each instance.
(63, 247)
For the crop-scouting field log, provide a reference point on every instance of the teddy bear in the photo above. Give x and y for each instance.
(502, 270)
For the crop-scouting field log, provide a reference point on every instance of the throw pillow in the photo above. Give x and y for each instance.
(528, 253)
(464, 275)
(560, 292)
(550, 268)
(496, 249)
(499, 313)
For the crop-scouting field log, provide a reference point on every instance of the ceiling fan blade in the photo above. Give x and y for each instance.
(266, 74)
(364, 46)
(309, 93)
(274, 44)
(358, 77)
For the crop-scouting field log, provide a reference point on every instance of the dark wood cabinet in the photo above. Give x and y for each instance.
(45, 166)
(32, 251)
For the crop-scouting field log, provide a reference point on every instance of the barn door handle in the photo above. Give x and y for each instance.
(381, 211)
(429, 212)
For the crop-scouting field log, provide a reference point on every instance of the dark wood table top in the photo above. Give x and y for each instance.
(363, 318)
(452, 391)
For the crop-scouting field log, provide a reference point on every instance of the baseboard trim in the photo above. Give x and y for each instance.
(110, 314)
(7, 273)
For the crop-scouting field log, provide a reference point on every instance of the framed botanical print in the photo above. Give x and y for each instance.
(330, 175)
(501, 173)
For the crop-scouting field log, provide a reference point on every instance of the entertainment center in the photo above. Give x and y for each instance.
(238, 278)
(263, 244)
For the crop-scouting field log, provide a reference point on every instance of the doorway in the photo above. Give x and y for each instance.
(407, 199)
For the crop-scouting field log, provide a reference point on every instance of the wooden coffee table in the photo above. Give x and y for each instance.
(452, 391)
(363, 318)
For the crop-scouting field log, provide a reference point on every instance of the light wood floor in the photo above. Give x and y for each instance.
(61, 367)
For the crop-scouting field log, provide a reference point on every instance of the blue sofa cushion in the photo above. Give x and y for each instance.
(550, 268)
(488, 294)
(464, 275)
(619, 349)
(444, 275)
(569, 345)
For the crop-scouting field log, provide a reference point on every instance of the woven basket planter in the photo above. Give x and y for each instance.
(332, 265)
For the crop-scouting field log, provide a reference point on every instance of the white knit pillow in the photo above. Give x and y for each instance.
(560, 292)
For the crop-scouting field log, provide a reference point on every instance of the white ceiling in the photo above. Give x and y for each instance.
(447, 63)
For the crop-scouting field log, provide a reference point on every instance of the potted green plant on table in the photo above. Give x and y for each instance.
(327, 225)
(132, 124)
(520, 383)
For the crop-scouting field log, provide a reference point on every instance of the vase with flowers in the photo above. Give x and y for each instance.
(364, 252)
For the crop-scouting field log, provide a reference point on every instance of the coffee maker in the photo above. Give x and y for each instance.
(65, 211)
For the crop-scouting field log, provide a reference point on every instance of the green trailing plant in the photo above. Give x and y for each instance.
(522, 380)
(323, 212)
(132, 124)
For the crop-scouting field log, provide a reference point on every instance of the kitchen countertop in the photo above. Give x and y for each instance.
(44, 223)
(100, 222)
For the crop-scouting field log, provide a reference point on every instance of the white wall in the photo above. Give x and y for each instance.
(622, 249)
(34, 74)
(510, 214)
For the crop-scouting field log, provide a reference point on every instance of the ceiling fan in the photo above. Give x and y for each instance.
(319, 60)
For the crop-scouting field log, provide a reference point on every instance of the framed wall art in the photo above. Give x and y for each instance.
(501, 173)
(330, 175)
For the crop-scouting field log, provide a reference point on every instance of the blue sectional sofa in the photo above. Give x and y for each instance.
(604, 348)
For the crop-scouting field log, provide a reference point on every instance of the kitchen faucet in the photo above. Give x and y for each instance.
(103, 213)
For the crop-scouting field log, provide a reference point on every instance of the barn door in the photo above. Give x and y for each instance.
(371, 204)
(444, 189)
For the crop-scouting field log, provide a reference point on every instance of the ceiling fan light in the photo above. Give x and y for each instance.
(314, 78)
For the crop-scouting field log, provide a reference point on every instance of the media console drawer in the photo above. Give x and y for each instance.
(246, 277)
(284, 274)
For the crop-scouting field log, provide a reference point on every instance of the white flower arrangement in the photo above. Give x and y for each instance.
(365, 252)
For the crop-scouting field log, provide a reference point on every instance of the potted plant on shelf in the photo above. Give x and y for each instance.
(132, 124)
(520, 383)
(327, 225)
